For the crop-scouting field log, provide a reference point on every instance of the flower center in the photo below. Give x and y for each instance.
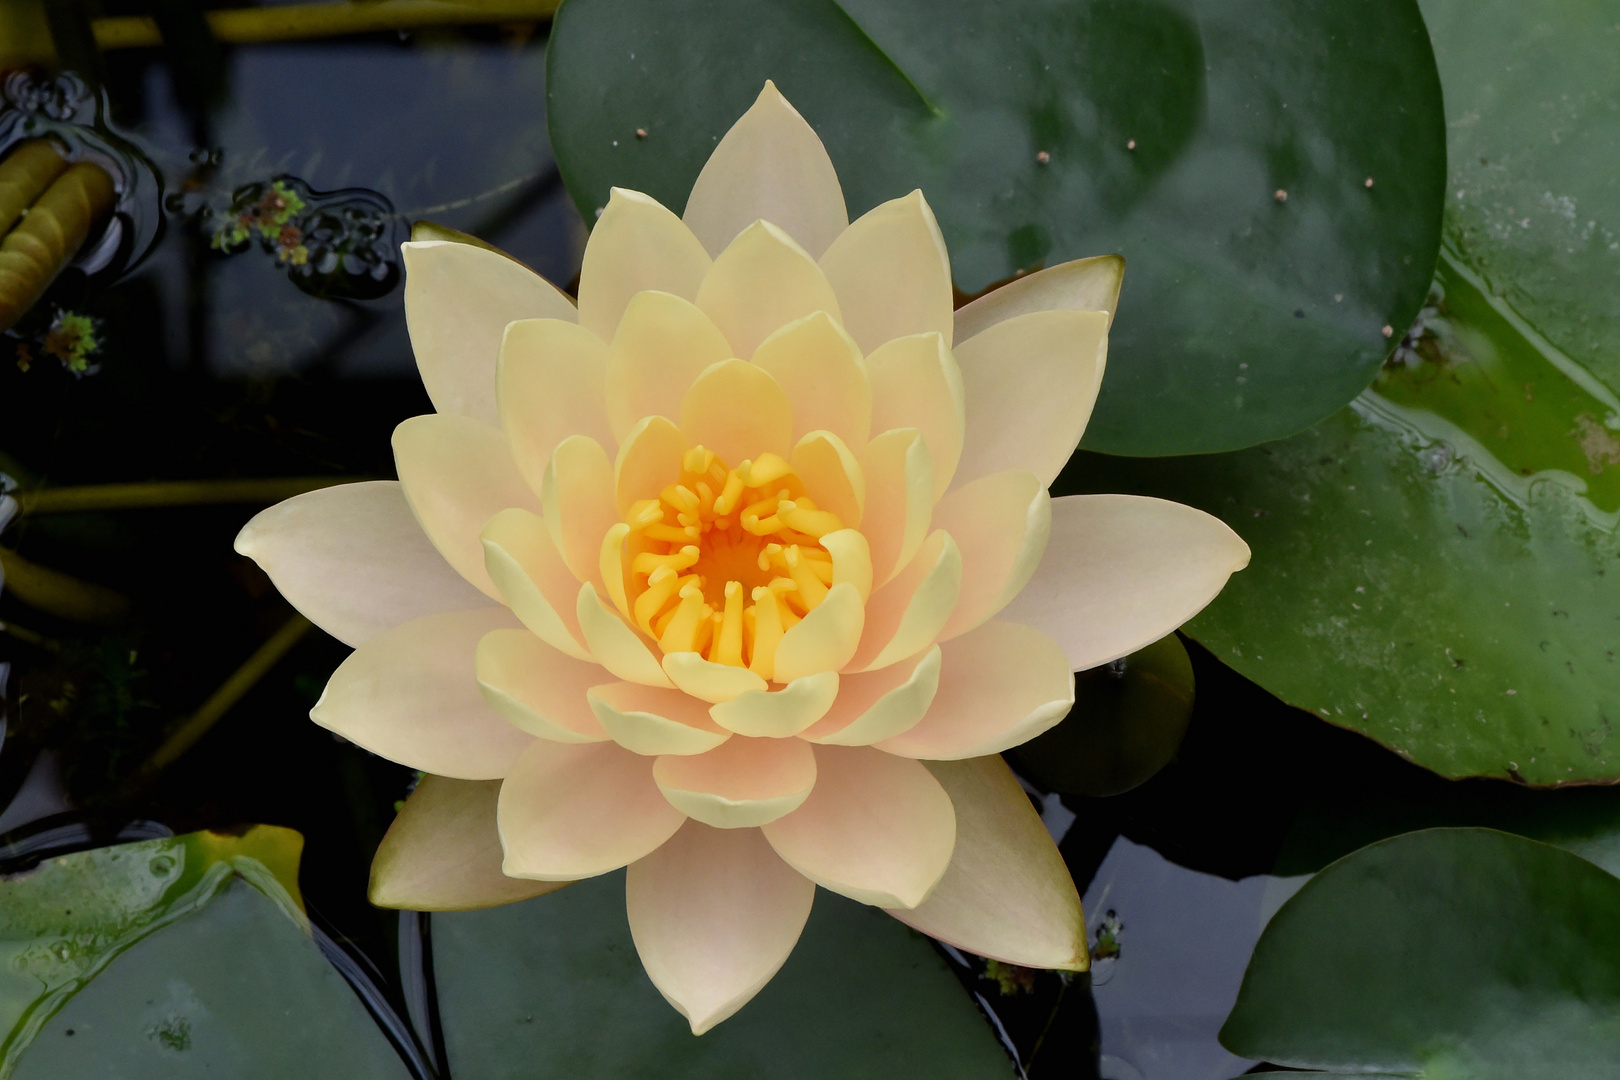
(728, 560)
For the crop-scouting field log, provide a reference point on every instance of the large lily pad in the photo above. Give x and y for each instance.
(1225, 148)
(1459, 953)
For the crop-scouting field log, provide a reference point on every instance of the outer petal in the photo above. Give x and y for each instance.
(877, 829)
(442, 853)
(580, 505)
(457, 473)
(411, 695)
(1001, 685)
(649, 461)
(879, 704)
(916, 384)
(899, 499)
(1031, 382)
(1082, 285)
(534, 581)
(770, 165)
(635, 245)
(1122, 571)
(550, 385)
(1006, 894)
(354, 560)
(663, 345)
(537, 688)
(832, 476)
(892, 274)
(569, 812)
(741, 783)
(714, 914)
(652, 721)
(826, 639)
(737, 410)
(905, 616)
(779, 714)
(614, 644)
(1001, 523)
(458, 300)
(759, 284)
(820, 368)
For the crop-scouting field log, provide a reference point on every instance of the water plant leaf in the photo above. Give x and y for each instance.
(1464, 953)
(552, 987)
(1225, 149)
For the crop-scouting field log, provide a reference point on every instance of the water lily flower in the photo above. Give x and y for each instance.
(740, 573)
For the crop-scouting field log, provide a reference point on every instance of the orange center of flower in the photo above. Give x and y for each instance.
(728, 560)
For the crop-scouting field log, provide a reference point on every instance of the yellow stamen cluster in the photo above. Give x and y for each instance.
(725, 561)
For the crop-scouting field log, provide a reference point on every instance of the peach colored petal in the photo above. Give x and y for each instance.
(613, 644)
(651, 721)
(442, 853)
(831, 475)
(820, 368)
(1122, 571)
(999, 685)
(877, 829)
(905, 616)
(825, 639)
(714, 914)
(759, 284)
(411, 696)
(649, 461)
(737, 410)
(458, 300)
(707, 680)
(900, 499)
(1082, 285)
(892, 274)
(550, 385)
(741, 783)
(916, 384)
(851, 558)
(538, 688)
(1006, 894)
(527, 569)
(1001, 523)
(770, 165)
(579, 504)
(570, 811)
(354, 560)
(779, 714)
(457, 473)
(879, 704)
(635, 245)
(663, 345)
(1030, 382)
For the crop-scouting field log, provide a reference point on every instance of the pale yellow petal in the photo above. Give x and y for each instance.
(457, 473)
(737, 410)
(820, 368)
(533, 580)
(649, 461)
(851, 558)
(1000, 685)
(458, 300)
(916, 384)
(899, 475)
(707, 680)
(759, 284)
(1006, 894)
(1122, 571)
(538, 688)
(411, 695)
(825, 639)
(651, 721)
(353, 559)
(614, 644)
(551, 384)
(770, 165)
(443, 853)
(1001, 523)
(635, 245)
(570, 811)
(1082, 285)
(892, 274)
(714, 914)
(905, 616)
(877, 828)
(831, 476)
(779, 714)
(879, 704)
(740, 784)
(1031, 382)
(664, 343)
(579, 504)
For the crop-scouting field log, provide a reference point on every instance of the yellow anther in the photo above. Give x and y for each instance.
(649, 563)
(715, 619)
(771, 555)
(671, 534)
(680, 633)
(767, 469)
(697, 460)
(662, 587)
(728, 642)
(705, 495)
(729, 494)
(768, 631)
(645, 512)
(816, 523)
(811, 591)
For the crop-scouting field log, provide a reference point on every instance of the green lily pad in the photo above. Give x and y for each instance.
(552, 987)
(1224, 148)
(1467, 954)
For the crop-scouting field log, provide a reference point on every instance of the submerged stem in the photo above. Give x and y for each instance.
(74, 500)
(59, 594)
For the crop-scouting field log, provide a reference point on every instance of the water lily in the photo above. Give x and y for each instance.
(739, 573)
